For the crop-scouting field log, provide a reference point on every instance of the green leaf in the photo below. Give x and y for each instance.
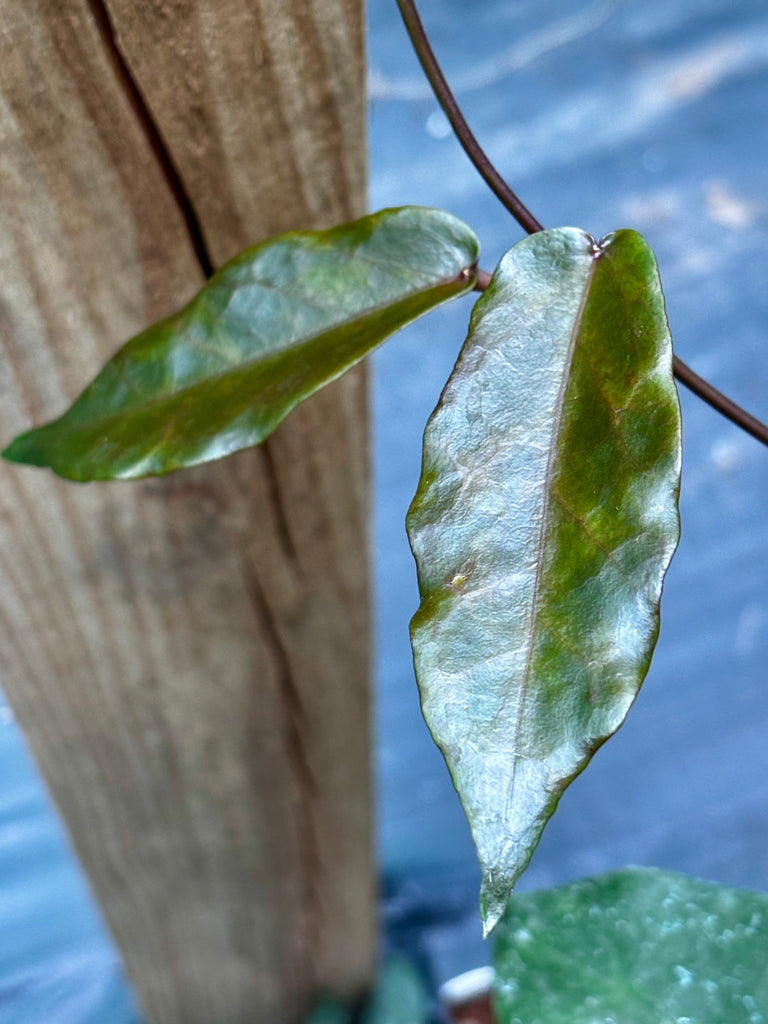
(399, 996)
(328, 1011)
(270, 328)
(544, 521)
(640, 946)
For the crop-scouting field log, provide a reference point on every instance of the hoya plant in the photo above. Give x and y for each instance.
(543, 525)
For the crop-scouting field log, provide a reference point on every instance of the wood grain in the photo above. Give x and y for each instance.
(188, 656)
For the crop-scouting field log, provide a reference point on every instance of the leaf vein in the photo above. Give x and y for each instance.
(547, 491)
(582, 523)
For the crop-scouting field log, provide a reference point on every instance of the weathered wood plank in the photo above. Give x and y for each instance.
(188, 656)
(269, 94)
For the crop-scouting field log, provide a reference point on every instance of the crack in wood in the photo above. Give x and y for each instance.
(151, 130)
(282, 522)
(295, 731)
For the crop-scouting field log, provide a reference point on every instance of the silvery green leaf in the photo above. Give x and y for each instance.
(543, 525)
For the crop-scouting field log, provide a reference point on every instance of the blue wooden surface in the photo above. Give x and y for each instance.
(647, 114)
(652, 115)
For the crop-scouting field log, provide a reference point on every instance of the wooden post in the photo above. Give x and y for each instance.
(188, 656)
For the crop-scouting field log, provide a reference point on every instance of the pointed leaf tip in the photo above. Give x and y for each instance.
(543, 525)
(270, 328)
(492, 905)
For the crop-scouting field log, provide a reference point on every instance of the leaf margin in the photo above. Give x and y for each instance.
(492, 900)
(47, 445)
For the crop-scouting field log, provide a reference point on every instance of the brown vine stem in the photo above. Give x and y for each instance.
(529, 223)
(463, 133)
(700, 387)
(719, 401)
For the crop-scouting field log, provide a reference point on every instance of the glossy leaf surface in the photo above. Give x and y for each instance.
(270, 328)
(544, 521)
(645, 946)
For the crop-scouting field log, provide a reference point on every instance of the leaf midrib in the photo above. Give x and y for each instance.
(247, 364)
(547, 500)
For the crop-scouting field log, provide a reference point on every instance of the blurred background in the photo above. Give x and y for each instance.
(647, 114)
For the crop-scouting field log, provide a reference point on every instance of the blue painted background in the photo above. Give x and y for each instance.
(648, 114)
